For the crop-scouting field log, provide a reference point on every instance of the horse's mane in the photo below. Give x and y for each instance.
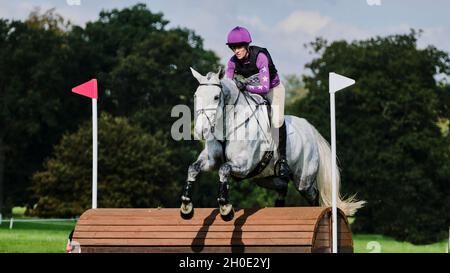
(229, 87)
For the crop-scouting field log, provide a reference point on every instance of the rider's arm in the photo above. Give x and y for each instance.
(262, 62)
(229, 73)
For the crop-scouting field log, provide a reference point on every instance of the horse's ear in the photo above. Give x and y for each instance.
(197, 75)
(220, 73)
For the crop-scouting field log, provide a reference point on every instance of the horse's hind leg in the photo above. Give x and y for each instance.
(307, 188)
(277, 184)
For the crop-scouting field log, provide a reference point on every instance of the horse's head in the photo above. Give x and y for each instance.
(208, 103)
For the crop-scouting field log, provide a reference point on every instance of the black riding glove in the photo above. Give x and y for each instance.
(240, 85)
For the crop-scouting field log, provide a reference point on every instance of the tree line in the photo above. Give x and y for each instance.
(393, 142)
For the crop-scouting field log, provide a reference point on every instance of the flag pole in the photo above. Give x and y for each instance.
(90, 89)
(94, 153)
(333, 172)
(336, 82)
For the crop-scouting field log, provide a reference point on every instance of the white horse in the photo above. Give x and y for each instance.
(242, 147)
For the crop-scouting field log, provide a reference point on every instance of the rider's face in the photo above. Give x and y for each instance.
(239, 51)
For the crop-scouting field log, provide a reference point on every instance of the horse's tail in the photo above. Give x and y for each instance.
(349, 205)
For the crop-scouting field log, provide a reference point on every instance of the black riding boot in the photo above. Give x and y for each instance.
(282, 165)
(186, 195)
(222, 197)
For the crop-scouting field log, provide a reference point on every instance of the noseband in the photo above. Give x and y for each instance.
(202, 111)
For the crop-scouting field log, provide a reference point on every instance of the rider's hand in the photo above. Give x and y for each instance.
(240, 85)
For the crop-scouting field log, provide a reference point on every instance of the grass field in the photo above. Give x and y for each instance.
(34, 237)
(366, 243)
(51, 237)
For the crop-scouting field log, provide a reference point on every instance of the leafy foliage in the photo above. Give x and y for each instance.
(133, 168)
(141, 66)
(390, 148)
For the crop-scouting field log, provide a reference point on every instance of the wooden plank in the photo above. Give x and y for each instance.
(328, 250)
(304, 212)
(211, 228)
(214, 216)
(151, 222)
(327, 229)
(188, 249)
(198, 218)
(327, 236)
(184, 242)
(296, 229)
(342, 227)
(327, 243)
(191, 235)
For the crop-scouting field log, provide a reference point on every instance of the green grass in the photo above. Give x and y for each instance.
(367, 243)
(34, 237)
(372, 243)
(48, 237)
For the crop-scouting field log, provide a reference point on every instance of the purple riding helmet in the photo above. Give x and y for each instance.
(239, 35)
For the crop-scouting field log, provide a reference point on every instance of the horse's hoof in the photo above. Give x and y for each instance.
(228, 217)
(187, 211)
(227, 212)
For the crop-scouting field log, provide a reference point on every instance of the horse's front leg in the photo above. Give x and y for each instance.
(225, 206)
(205, 162)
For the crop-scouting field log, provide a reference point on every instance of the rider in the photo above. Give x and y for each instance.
(248, 61)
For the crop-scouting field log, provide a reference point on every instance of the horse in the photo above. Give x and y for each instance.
(217, 101)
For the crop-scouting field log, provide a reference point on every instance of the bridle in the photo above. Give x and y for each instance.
(212, 125)
(267, 155)
(202, 111)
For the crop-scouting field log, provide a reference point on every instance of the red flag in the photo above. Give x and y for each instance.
(88, 89)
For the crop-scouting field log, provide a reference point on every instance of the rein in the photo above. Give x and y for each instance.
(267, 155)
(202, 111)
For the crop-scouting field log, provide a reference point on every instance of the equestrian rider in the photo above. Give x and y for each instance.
(248, 61)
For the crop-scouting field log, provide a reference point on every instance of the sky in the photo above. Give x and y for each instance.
(282, 26)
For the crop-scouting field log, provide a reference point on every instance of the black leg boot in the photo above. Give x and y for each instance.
(222, 197)
(282, 164)
(186, 195)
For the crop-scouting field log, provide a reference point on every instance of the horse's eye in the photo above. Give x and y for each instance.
(216, 97)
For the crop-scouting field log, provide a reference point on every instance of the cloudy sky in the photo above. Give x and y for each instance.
(283, 26)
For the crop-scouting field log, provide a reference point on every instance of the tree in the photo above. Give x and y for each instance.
(149, 74)
(36, 76)
(42, 58)
(134, 171)
(390, 148)
(145, 72)
(295, 88)
(145, 68)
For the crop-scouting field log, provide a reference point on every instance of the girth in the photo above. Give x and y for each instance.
(259, 168)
